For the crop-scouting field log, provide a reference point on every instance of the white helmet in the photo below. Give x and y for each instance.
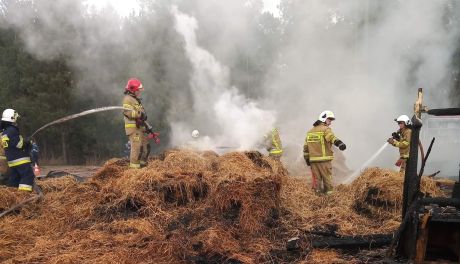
(195, 133)
(325, 115)
(9, 115)
(403, 118)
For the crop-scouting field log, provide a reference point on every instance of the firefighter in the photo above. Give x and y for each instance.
(318, 152)
(17, 153)
(401, 140)
(34, 152)
(273, 144)
(134, 117)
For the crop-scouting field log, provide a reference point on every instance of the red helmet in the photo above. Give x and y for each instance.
(133, 85)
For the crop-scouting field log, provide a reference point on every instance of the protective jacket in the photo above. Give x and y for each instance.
(318, 143)
(273, 143)
(404, 142)
(13, 145)
(135, 111)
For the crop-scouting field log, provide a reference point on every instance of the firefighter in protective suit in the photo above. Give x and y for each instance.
(318, 151)
(401, 140)
(273, 144)
(17, 150)
(134, 116)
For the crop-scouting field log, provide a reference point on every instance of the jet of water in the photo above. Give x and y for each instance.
(356, 173)
(87, 112)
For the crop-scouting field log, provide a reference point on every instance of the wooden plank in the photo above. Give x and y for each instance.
(422, 240)
(349, 242)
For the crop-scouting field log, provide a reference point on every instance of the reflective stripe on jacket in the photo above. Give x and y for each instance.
(130, 116)
(404, 143)
(318, 143)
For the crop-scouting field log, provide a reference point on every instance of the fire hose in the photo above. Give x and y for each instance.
(87, 112)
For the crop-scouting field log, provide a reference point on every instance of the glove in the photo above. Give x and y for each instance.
(396, 136)
(143, 116)
(391, 141)
(307, 160)
(340, 145)
(154, 136)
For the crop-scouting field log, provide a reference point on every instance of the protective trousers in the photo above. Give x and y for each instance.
(140, 149)
(323, 172)
(275, 156)
(22, 176)
(401, 163)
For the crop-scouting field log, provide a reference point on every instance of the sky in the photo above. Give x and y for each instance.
(124, 7)
(272, 7)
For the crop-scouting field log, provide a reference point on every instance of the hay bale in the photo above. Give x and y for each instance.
(325, 256)
(379, 192)
(111, 168)
(252, 205)
(187, 207)
(187, 161)
(10, 196)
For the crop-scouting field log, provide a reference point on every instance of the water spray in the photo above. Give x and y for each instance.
(356, 173)
(87, 112)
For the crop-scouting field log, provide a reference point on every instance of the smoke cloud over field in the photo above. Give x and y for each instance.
(219, 110)
(362, 59)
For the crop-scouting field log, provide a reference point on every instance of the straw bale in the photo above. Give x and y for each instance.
(10, 197)
(191, 207)
(234, 163)
(325, 256)
(252, 205)
(209, 155)
(186, 161)
(111, 168)
(379, 192)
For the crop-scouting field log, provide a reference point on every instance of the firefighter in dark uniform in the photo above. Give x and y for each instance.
(17, 155)
(318, 151)
(134, 115)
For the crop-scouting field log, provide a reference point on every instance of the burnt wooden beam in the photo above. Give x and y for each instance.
(411, 180)
(353, 242)
(444, 111)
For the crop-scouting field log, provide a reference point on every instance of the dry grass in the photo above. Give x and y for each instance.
(189, 207)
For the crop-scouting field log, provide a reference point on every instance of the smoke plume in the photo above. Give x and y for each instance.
(219, 110)
(362, 59)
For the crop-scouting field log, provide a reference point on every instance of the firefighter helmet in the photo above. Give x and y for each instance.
(195, 133)
(326, 115)
(9, 115)
(403, 118)
(134, 85)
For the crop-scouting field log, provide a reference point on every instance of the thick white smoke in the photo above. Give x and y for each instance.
(219, 109)
(364, 60)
